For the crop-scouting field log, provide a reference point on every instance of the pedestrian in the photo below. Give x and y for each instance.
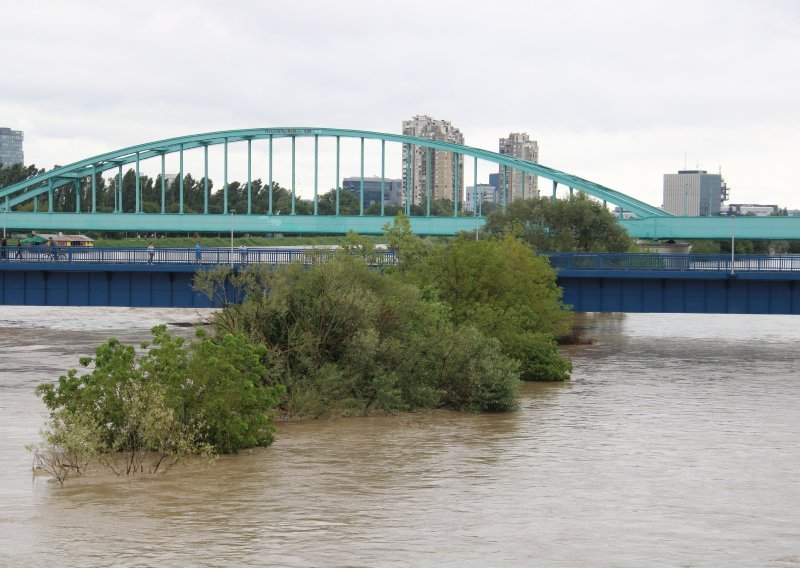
(19, 250)
(151, 251)
(3, 248)
(198, 252)
(243, 253)
(53, 252)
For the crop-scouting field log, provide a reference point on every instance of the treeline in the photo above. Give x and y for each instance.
(454, 325)
(194, 196)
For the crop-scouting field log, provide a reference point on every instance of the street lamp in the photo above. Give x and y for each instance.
(733, 239)
(232, 212)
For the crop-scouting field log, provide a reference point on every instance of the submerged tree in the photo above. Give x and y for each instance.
(507, 292)
(136, 414)
(344, 338)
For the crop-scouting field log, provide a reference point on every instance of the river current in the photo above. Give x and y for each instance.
(675, 444)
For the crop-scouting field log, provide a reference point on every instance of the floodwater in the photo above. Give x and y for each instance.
(675, 444)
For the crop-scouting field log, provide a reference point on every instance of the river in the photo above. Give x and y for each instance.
(675, 444)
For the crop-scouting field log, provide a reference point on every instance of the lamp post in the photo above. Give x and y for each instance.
(733, 239)
(232, 212)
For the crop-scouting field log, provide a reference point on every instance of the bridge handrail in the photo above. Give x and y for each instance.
(673, 262)
(174, 255)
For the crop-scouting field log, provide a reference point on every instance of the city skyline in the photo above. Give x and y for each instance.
(708, 84)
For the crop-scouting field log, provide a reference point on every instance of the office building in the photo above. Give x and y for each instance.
(485, 194)
(518, 184)
(393, 190)
(443, 169)
(695, 193)
(11, 147)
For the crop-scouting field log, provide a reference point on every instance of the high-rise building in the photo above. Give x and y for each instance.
(443, 168)
(393, 189)
(695, 193)
(11, 147)
(519, 145)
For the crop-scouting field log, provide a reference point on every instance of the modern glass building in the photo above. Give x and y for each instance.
(11, 147)
(372, 190)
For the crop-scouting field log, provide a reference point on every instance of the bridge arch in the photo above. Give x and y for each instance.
(73, 173)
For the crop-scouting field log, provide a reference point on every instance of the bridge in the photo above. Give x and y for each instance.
(746, 284)
(23, 203)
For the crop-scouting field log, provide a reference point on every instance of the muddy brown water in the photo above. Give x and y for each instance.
(675, 444)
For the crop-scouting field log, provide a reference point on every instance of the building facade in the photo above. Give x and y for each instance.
(518, 184)
(393, 190)
(444, 168)
(485, 194)
(695, 193)
(11, 147)
(753, 209)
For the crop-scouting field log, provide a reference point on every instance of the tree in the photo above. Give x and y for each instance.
(409, 249)
(15, 173)
(561, 225)
(507, 292)
(343, 338)
(348, 203)
(178, 399)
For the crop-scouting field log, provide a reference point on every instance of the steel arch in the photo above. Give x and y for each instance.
(57, 177)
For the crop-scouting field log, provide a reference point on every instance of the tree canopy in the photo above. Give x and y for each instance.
(150, 411)
(561, 225)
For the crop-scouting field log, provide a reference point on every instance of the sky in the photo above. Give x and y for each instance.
(617, 92)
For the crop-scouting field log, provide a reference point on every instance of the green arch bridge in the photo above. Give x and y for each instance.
(20, 202)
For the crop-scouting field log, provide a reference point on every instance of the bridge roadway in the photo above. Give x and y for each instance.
(751, 284)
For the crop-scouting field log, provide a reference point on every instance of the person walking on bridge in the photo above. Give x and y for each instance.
(151, 252)
(198, 253)
(53, 252)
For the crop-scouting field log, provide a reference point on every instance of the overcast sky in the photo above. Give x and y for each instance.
(618, 92)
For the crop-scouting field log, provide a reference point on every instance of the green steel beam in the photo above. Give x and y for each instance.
(180, 184)
(383, 174)
(270, 175)
(249, 176)
(316, 175)
(225, 181)
(294, 139)
(361, 186)
(427, 182)
(163, 185)
(772, 228)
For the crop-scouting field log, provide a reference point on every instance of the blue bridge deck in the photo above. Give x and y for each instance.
(73, 276)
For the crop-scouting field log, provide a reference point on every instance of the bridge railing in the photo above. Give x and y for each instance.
(673, 262)
(209, 256)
